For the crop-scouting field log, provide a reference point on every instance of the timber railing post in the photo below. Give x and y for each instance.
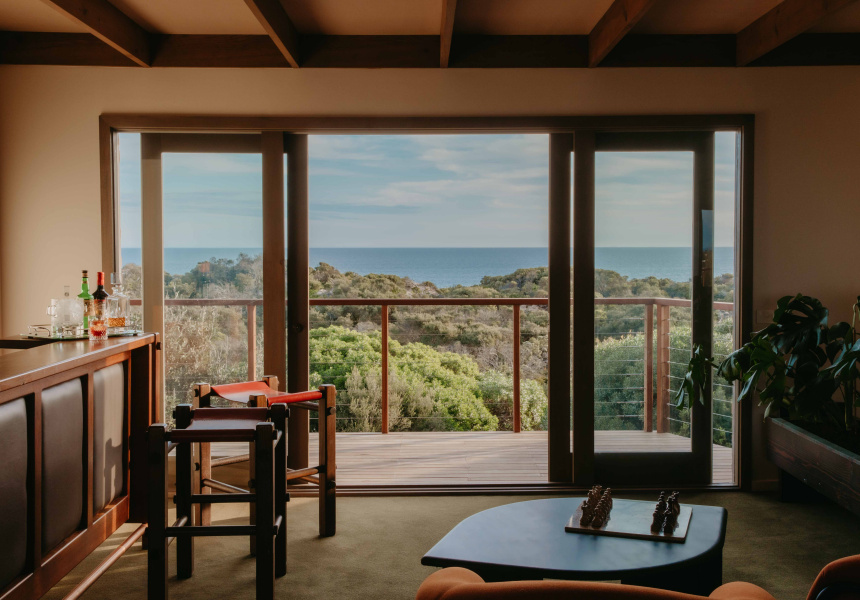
(517, 417)
(662, 368)
(649, 367)
(252, 341)
(384, 318)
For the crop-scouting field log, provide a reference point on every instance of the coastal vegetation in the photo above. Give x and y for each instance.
(450, 367)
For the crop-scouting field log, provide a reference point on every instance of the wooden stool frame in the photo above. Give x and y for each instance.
(269, 497)
(323, 475)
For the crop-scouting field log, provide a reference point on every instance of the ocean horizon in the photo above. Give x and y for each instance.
(447, 267)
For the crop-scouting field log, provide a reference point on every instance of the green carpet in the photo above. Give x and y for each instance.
(379, 543)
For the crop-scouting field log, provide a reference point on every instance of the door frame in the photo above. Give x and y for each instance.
(639, 468)
(744, 124)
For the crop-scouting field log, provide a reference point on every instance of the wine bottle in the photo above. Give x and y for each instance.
(87, 298)
(100, 297)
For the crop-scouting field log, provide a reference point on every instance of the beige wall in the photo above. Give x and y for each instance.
(807, 203)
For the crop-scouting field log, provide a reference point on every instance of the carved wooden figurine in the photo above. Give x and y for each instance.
(661, 503)
(587, 513)
(656, 521)
(596, 507)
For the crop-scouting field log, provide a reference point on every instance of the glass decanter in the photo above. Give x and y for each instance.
(117, 306)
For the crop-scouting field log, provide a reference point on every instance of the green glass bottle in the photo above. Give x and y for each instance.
(87, 298)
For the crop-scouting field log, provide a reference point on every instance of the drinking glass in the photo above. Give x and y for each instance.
(55, 314)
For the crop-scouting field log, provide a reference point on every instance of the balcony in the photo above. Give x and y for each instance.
(380, 455)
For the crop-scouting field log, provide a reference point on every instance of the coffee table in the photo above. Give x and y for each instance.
(527, 540)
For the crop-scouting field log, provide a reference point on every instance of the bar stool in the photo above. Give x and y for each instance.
(262, 394)
(266, 428)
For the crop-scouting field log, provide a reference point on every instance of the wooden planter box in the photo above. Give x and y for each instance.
(827, 468)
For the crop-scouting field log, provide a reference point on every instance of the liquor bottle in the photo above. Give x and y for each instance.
(98, 318)
(100, 297)
(118, 306)
(87, 298)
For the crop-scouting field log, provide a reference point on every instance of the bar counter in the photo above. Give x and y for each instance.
(73, 419)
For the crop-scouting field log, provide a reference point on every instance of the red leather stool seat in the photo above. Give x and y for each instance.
(241, 392)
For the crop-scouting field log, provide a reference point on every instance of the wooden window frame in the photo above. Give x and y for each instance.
(643, 468)
(294, 129)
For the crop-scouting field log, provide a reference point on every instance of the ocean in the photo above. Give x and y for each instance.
(465, 266)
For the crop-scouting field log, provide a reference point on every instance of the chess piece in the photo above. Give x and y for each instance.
(661, 503)
(670, 521)
(607, 495)
(587, 513)
(673, 504)
(599, 517)
(656, 522)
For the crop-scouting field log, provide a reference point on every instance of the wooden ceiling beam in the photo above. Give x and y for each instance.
(786, 20)
(449, 7)
(111, 25)
(279, 26)
(422, 51)
(615, 23)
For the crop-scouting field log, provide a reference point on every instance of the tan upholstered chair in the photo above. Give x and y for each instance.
(840, 580)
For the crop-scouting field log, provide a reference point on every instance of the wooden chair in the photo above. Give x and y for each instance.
(265, 393)
(266, 429)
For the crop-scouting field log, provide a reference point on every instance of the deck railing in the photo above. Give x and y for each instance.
(655, 393)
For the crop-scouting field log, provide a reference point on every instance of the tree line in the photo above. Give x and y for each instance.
(450, 367)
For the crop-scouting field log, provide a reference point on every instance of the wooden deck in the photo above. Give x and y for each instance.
(474, 457)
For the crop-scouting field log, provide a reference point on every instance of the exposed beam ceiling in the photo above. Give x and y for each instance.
(422, 51)
(449, 7)
(615, 23)
(109, 24)
(279, 26)
(783, 22)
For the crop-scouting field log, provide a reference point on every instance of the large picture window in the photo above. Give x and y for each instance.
(544, 288)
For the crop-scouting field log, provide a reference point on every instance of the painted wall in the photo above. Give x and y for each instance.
(807, 203)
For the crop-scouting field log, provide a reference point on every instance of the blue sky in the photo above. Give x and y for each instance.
(425, 191)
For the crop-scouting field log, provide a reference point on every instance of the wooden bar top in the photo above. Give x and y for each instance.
(27, 365)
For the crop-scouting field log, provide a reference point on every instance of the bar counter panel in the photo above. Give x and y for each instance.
(73, 420)
(62, 462)
(13, 490)
(108, 433)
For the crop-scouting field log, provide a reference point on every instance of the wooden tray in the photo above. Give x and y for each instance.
(31, 336)
(632, 519)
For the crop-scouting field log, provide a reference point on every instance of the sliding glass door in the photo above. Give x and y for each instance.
(643, 298)
(578, 357)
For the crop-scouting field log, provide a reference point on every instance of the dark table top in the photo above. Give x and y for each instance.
(529, 539)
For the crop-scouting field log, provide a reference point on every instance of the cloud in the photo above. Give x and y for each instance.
(189, 165)
(344, 147)
(227, 204)
(431, 190)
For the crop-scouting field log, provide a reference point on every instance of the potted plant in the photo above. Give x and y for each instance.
(806, 373)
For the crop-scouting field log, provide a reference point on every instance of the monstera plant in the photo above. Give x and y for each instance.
(798, 364)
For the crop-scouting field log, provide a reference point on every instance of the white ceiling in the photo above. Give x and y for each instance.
(33, 15)
(529, 17)
(702, 16)
(365, 17)
(420, 17)
(845, 20)
(191, 16)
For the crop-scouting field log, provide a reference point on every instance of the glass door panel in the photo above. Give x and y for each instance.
(653, 302)
(725, 323)
(428, 284)
(642, 285)
(129, 234)
(213, 270)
